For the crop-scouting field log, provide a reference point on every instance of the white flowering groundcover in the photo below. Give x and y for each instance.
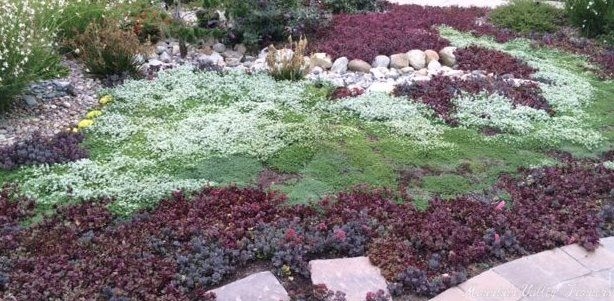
(154, 136)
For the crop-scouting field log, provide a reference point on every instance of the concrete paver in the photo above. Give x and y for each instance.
(569, 273)
(600, 259)
(588, 288)
(453, 293)
(542, 269)
(489, 286)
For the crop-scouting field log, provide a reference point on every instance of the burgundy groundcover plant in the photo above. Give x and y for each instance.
(61, 148)
(402, 28)
(192, 243)
(440, 90)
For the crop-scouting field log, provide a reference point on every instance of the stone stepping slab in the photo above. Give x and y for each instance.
(354, 276)
(567, 273)
(262, 286)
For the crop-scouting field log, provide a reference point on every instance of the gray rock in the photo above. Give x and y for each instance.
(399, 61)
(155, 64)
(30, 100)
(379, 72)
(263, 53)
(354, 276)
(421, 78)
(165, 57)
(66, 104)
(219, 47)
(240, 48)
(407, 70)
(232, 54)
(381, 61)
(340, 65)
(422, 71)
(384, 87)
(431, 55)
(393, 73)
(447, 57)
(321, 59)
(249, 58)
(63, 85)
(214, 58)
(359, 66)
(434, 67)
(233, 62)
(417, 59)
(261, 286)
(317, 70)
(175, 50)
(160, 49)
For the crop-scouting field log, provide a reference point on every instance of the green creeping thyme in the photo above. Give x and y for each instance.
(566, 90)
(399, 115)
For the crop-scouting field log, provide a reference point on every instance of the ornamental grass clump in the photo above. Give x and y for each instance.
(286, 64)
(27, 44)
(107, 50)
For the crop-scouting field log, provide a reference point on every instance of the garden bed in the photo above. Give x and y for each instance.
(174, 185)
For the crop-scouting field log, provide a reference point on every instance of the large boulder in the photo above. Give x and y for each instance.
(399, 61)
(434, 67)
(447, 56)
(359, 66)
(431, 55)
(340, 65)
(381, 61)
(417, 59)
(321, 60)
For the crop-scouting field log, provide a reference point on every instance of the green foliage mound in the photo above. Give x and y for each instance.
(526, 16)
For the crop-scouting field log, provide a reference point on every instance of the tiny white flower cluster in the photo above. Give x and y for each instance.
(121, 178)
(609, 165)
(496, 111)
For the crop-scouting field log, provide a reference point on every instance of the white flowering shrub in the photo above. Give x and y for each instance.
(29, 39)
(592, 17)
(26, 44)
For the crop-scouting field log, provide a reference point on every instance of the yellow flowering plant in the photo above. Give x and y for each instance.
(93, 114)
(106, 99)
(85, 123)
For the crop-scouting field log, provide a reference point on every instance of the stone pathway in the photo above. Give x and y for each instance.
(564, 274)
(568, 273)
